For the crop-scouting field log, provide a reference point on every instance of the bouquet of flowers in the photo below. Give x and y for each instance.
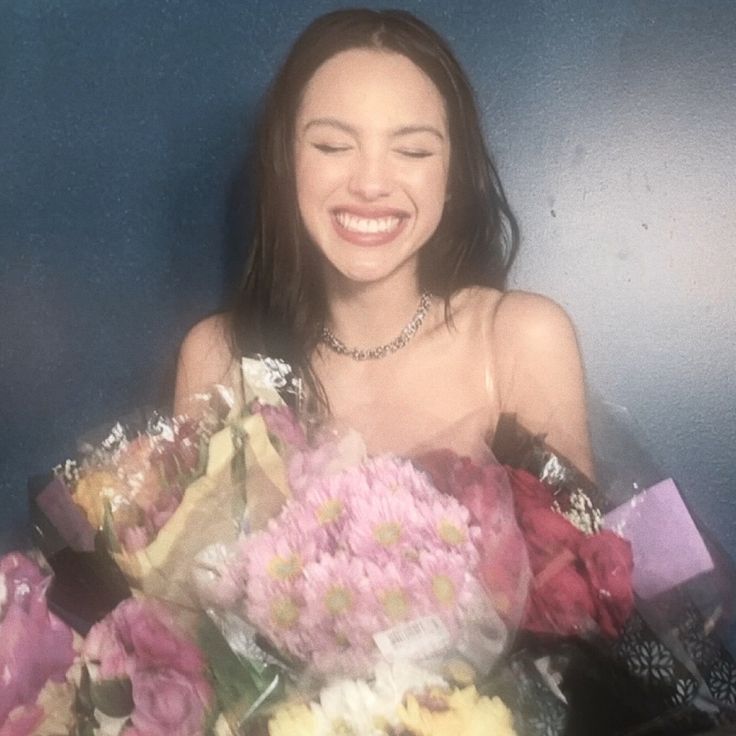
(368, 563)
(159, 493)
(619, 637)
(37, 654)
(387, 595)
(143, 676)
(400, 698)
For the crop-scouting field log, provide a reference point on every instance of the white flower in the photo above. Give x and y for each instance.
(360, 708)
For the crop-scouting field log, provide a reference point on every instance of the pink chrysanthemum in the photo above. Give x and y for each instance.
(281, 550)
(395, 591)
(395, 474)
(443, 577)
(385, 526)
(327, 501)
(354, 553)
(451, 529)
(336, 591)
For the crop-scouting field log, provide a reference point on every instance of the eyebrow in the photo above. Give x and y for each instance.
(396, 132)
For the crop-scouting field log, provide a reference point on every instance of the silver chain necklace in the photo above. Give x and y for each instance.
(338, 346)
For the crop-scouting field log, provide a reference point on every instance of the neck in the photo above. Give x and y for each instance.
(368, 315)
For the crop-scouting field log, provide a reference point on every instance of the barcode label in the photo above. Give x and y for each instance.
(417, 639)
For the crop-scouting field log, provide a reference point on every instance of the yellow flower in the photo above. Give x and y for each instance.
(93, 491)
(292, 719)
(465, 714)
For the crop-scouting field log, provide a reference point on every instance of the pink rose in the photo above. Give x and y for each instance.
(141, 641)
(609, 563)
(23, 721)
(152, 633)
(35, 646)
(169, 702)
(142, 634)
(104, 647)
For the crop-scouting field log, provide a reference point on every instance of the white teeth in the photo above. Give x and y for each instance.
(367, 224)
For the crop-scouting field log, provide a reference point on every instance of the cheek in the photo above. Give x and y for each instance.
(314, 181)
(433, 190)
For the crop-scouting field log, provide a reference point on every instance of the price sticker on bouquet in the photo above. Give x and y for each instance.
(416, 639)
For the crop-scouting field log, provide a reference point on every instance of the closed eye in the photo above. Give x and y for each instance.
(414, 153)
(327, 148)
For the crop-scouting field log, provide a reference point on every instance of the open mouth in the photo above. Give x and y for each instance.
(367, 225)
(380, 227)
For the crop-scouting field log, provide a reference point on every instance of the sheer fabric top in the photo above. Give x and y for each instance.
(438, 392)
(513, 353)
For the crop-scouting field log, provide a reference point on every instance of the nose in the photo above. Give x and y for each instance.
(371, 177)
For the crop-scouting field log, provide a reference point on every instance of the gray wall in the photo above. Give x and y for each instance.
(122, 126)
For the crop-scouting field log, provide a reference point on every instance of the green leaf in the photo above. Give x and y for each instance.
(108, 531)
(242, 687)
(114, 698)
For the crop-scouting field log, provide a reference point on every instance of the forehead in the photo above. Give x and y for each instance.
(372, 86)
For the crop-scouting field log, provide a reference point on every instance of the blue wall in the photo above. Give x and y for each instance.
(122, 129)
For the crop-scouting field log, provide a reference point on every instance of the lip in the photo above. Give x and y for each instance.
(371, 213)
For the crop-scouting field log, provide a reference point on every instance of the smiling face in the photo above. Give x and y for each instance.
(372, 154)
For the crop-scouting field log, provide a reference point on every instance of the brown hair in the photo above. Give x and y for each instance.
(280, 307)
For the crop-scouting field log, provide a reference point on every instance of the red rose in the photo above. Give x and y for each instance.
(548, 534)
(529, 492)
(561, 601)
(609, 562)
(462, 478)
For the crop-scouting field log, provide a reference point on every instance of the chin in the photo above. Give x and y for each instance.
(371, 273)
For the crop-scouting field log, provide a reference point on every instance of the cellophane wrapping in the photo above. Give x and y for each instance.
(373, 562)
(629, 628)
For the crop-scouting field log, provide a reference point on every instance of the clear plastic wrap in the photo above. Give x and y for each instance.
(652, 654)
(38, 654)
(157, 492)
(331, 579)
(372, 560)
(143, 674)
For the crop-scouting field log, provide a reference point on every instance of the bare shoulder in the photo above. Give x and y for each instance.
(211, 334)
(205, 357)
(540, 373)
(522, 319)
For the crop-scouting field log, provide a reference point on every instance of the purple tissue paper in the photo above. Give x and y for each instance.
(668, 549)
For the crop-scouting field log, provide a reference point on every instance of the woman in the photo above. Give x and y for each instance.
(380, 252)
